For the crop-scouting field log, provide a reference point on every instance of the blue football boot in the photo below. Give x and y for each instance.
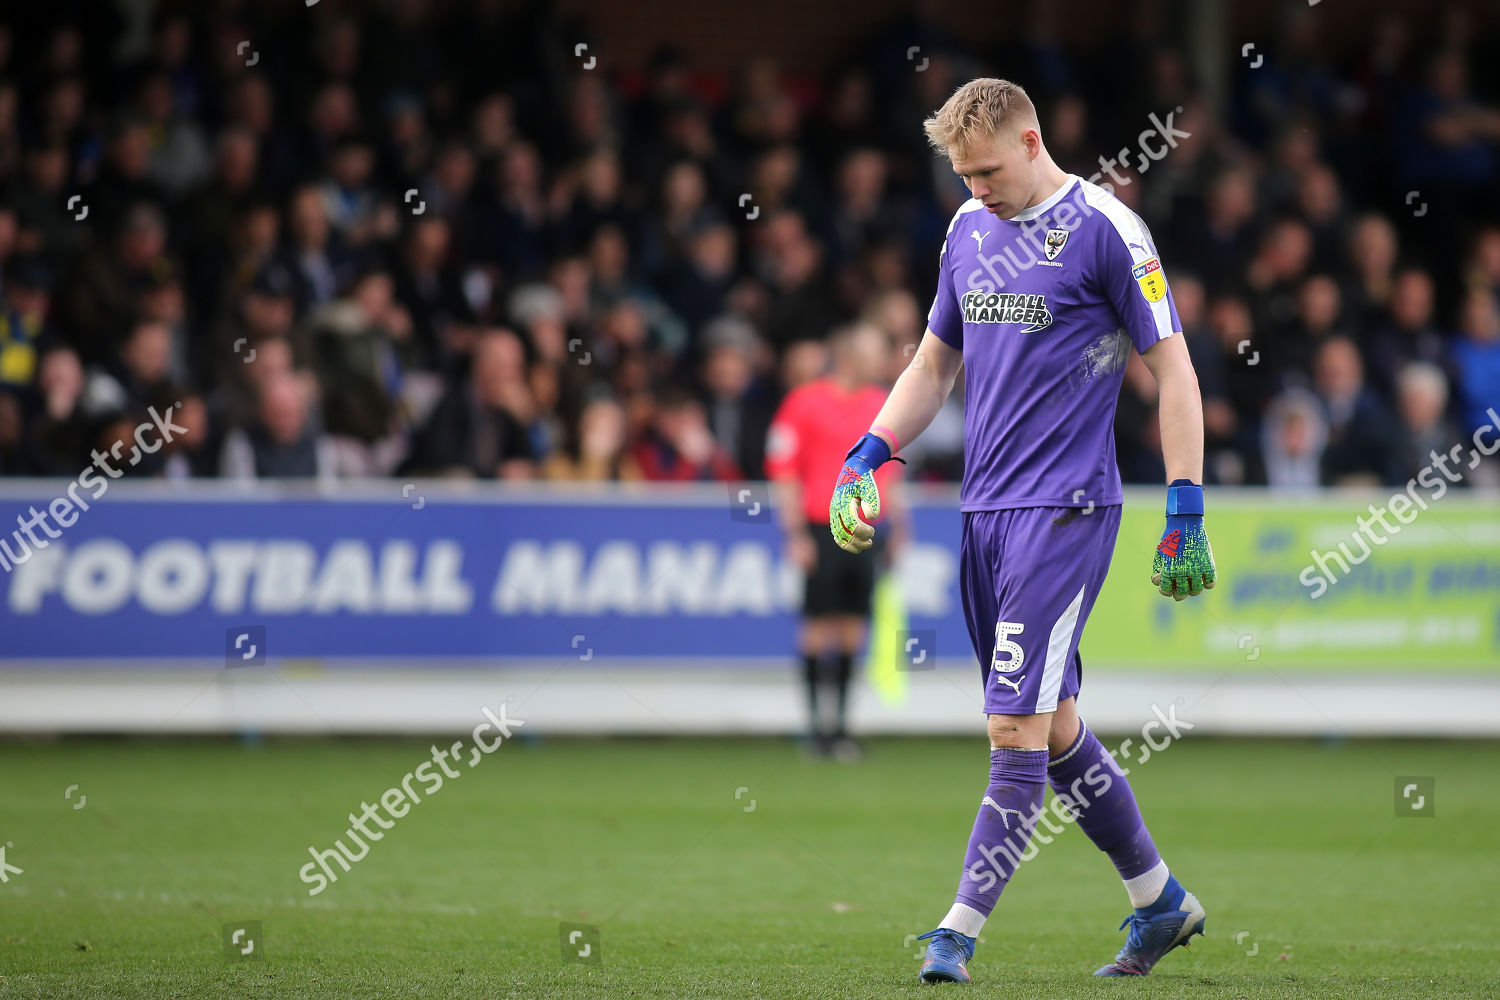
(948, 952)
(1157, 929)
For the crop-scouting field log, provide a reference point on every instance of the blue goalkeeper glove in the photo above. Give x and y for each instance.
(856, 501)
(1184, 564)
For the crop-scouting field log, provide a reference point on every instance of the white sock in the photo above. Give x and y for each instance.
(1144, 888)
(964, 919)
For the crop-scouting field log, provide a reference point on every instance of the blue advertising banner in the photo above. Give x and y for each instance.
(148, 573)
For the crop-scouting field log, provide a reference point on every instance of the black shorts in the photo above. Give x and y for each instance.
(841, 583)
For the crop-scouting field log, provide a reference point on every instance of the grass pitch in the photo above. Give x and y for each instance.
(723, 869)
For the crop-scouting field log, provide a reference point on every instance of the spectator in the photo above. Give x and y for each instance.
(1483, 269)
(24, 329)
(125, 179)
(447, 190)
(99, 298)
(1476, 356)
(1219, 240)
(1425, 431)
(738, 408)
(137, 378)
(13, 458)
(598, 453)
(192, 453)
(1320, 207)
(318, 264)
(40, 198)
(1409, 333)
(800, 307)
(431, 289)
(596, 200)
(683, 212)
(482, 426)
(59, 434)
(1359, 429)
(261, 208)
(697, 288)
(1292, 440)
(283, 441)
(679, 447)
(1317, 321)
(1372, 256)
(1273, 276)
(354, 211)
(264, 323)
(355, 341)
(515, 227)
(177, 152)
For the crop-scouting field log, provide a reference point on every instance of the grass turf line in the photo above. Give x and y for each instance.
(809, 893)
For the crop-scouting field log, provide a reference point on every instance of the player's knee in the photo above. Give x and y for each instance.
(1018, 731)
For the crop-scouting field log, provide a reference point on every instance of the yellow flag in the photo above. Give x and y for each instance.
(887, 627)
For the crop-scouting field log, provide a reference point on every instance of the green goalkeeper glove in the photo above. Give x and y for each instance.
(856, 500)
(1184, 564)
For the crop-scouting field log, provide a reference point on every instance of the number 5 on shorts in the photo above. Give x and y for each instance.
(1003, 632)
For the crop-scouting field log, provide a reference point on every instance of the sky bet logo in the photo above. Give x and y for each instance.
(1007, 307)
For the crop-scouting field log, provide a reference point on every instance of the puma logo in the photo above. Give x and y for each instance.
(1001, 810)
(1014, 685)
(979, 238)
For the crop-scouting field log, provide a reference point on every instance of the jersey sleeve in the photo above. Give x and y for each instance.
(944, 318)
(1135, 284)
(783, 439)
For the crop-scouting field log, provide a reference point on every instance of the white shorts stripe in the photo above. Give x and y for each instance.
(1058, 645)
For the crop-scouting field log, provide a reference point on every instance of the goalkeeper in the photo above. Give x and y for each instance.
(1046, 282)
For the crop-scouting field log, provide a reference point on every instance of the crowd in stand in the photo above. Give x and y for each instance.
(421, 243)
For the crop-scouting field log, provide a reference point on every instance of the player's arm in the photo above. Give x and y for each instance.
(783, 459)
(1184, 562)
(914, 400)
(1131, 276)
(1180, 408)
(919, 392)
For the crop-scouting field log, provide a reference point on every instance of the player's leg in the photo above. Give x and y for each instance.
(813, 640)
(1019, 722)
(854, 587)
(1166, 915)
(822, 605)
(1007, 816)
(1083, 774)
(998, 841)
(851, 631)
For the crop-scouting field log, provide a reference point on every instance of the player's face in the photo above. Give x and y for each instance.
(998, 172)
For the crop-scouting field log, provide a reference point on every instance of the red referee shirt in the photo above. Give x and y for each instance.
(815, 427)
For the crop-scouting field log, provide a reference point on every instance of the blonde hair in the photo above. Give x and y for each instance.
(980, 110)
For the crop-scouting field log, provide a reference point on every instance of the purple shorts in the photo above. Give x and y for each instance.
(1029, 578)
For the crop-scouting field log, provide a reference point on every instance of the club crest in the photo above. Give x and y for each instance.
(1056, 240)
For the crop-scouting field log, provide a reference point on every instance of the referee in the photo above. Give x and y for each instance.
(808, 436)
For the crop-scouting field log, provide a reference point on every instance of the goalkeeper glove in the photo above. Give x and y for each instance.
(1184, 564)
(855, 494)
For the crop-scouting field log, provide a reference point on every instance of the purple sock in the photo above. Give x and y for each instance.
(1089, 780)
(1002, 830)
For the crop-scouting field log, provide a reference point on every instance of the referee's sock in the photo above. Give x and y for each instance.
(843, 672)
(811, 678)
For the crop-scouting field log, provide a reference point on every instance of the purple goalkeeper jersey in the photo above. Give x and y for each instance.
(1045, 307)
